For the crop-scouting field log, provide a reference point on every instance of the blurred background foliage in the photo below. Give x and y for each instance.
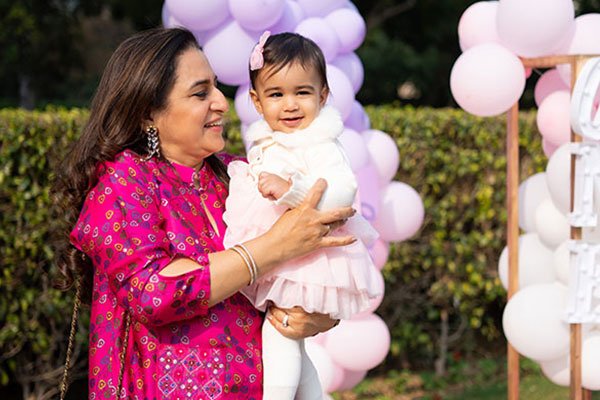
(52, 52)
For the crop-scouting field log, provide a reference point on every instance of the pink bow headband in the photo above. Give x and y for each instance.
(256, 58)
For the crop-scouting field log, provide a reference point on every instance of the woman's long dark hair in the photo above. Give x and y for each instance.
(136, 82)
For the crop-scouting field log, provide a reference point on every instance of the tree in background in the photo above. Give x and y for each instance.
(43, 47)
(36, 40)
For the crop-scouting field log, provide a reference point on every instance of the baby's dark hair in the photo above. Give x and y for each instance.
(287, 48)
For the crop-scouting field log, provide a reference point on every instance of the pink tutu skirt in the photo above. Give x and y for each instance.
(339, 281)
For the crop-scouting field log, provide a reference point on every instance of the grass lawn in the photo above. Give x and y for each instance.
(532, 387)
(484, 384)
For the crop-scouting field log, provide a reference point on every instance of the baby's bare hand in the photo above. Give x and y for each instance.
(272, 186)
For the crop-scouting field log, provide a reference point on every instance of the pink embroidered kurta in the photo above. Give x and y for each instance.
(139, 217)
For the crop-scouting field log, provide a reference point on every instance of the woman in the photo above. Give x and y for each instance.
(144, 191)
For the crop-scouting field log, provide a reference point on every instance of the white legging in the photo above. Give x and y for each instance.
(288, 372)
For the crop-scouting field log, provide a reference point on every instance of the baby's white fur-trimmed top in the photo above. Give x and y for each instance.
(327, 126)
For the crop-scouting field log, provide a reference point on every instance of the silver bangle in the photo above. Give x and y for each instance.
(242, 254)
(253, 262)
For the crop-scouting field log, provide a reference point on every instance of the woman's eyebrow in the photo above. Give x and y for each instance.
(200, 82)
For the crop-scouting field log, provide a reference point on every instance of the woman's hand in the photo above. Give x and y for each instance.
(304, 228)
(295, 323)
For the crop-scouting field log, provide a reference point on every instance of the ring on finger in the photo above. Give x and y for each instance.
(285, 321)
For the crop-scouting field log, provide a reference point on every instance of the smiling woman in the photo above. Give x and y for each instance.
(143, 190)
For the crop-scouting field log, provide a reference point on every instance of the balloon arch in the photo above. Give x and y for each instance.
(227, 31)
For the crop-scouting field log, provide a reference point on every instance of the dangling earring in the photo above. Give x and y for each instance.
(153, 148)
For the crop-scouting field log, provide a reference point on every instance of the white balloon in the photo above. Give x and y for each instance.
(590, 361)
(533, 322)
(557, 371)
(535, 262)
(558, 178)
(532, 192)
(561, 261)
(550, 224)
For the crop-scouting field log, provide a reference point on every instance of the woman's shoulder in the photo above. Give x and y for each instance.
(128, 164)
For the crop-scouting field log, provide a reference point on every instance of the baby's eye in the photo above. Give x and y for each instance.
(275, 94)
(304, 93)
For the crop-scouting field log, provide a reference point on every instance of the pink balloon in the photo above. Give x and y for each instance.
(314, 8)
(487, 80)
(548, 147)
(379, 251)
(231, 66)
(341, 95)
(533, 28)
(243, 105)
(549, 82)
(322, 34)
(358, 118)
(384, 154)
(584, 41)
(360, 344)
(350, 28)
(351, 378)
(352, 66)
(401, 212)
(355, 148)
(196, 16)
(368, 192)
(256, 14)
(477, 25)
(290, 18)
(553, 118)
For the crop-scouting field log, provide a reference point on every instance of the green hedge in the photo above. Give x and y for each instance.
(454, 160)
